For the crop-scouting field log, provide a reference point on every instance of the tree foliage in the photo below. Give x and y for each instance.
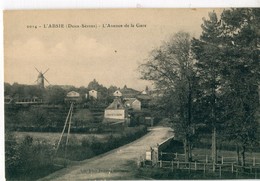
(228, 59)
(212, 80)
(171, 68)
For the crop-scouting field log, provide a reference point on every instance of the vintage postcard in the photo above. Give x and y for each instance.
(127, 94)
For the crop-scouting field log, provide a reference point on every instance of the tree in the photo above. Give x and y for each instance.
(241, 44)
(227, 55)
(54, 95)
(94, 85)
(170, 67)
(208, 55)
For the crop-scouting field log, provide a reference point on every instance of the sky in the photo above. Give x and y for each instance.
(76, 56)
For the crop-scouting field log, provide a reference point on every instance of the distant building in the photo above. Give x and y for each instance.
(146, 91)
(129, 92)
(73, 96)
(133, 103)
(116, 111)
(8, 99)
(28, 100)
(93, 93)
(117, 93)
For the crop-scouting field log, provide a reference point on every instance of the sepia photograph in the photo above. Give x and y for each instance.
(132, 94)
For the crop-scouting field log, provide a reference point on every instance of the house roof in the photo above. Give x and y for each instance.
(129, 92)
(92, 90)
(144, 97)
(117, 93)
(73, 94)
(131, 101)
(116, 104)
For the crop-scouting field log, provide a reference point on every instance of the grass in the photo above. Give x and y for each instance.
(225, 153)
(166, 174)
(80, 147)
(52, 138)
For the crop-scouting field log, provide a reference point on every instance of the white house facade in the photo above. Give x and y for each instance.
(93, 93)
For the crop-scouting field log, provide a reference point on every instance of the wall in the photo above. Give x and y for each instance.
(93, 93)
(136, 105)
(73, 94)
(115, 114)
(156, 150)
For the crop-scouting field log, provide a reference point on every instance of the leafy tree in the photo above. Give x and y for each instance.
(102, 90)
(242, 75)
(171, 69)
(54, 95)
(7, 89)
(227, 55)
(11, 155)
(208, 55)
(22, 91)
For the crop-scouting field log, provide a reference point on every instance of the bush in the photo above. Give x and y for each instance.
(25, 159)
(92, 146)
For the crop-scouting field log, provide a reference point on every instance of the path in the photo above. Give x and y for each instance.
(116, 164)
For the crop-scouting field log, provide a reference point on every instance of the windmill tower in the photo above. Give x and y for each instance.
(41, 78)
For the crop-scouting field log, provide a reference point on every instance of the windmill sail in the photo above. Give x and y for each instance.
(41, 78)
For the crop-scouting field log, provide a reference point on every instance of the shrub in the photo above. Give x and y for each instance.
(25, 159)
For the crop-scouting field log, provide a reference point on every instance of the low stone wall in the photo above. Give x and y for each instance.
(152, 154)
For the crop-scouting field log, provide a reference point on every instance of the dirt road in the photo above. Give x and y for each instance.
(116, 164)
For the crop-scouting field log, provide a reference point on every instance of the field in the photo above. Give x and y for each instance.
(166, 174)
(27, 153)
(52, 138)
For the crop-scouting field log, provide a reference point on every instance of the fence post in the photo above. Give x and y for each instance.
(236, 171)
(160, 163)
(219, 171)
(195, 165)
(178, 164)
(138, 163)
(204, 168)
(206, 158)
(222, 160)
(189, 166)
(232, 167)
(253, 161)
(172, 165)
(176, 156)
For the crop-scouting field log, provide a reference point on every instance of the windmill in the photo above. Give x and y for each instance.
(41, 78)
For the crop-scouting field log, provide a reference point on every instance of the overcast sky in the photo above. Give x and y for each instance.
(75, 56)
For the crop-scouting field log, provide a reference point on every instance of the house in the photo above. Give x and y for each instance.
(72, 96)
(8, 99)
(146, 91)
(117, 93)
(93, 93)
(116, 111)
(28, 100)
(129, 92)
(133, 103)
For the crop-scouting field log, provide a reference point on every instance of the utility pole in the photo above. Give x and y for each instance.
(68, 118)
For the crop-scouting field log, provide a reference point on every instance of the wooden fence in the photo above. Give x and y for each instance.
(207, 159)
(252, 171)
